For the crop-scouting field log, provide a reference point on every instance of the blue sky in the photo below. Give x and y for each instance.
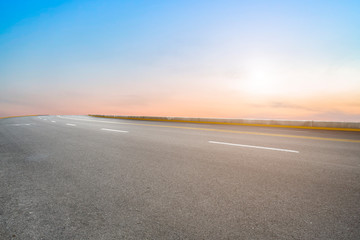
(264, 59)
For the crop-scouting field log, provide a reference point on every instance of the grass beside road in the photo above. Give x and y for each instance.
(20, 116)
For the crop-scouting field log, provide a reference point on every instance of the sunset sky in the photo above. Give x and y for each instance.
(235, 59)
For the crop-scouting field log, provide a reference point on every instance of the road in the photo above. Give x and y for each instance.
(79, 177)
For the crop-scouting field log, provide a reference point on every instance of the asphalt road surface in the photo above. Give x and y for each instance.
(79, 177)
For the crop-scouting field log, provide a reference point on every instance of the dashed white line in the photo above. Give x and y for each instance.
(113, 130)
(251, 146)
(90, 120)
(53, 121)
(21, 124)
(70, 124)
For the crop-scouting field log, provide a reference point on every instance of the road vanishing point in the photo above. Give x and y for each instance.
(81, 177)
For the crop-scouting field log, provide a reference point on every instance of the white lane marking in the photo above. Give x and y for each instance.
(113, 130)
(251, 146)
(21, 124)
(70, 124)
(88, 120)
(53, 121)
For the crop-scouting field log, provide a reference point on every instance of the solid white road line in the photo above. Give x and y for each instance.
(20, 124)
(70, 124)
(259, 147)
(113, 130)
(89, 120)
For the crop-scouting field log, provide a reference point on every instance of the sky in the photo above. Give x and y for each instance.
(227, 59)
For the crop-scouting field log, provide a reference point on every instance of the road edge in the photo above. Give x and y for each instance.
(318, 125)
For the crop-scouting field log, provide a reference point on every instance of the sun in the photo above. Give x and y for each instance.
(260, 81)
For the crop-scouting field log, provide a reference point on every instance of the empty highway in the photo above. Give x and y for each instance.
(80, 177)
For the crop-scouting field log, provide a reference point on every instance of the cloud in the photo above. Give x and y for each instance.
(289, 105)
